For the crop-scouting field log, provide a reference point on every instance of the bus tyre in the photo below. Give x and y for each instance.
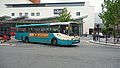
(22, 39)
(54, 42)
(26, 39)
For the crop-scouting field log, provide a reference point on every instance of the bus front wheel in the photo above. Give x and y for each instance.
(54, 41)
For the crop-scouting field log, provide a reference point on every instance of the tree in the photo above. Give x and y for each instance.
(111, 14)
(65, 16)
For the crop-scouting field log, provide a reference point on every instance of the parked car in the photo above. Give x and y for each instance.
(118, 36)
(4, 37)
(1, 36)
(101, 35)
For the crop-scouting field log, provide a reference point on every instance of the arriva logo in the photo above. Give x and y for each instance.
(35, 1)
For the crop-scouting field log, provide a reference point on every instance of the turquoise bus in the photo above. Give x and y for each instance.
(65, 33)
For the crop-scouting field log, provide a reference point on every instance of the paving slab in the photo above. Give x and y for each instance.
(102, 43)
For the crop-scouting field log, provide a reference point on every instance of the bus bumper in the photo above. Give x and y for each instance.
(69, 42)
(78, 44)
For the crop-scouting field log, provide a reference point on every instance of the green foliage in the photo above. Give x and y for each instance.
(103, 30)
(110, 12)
(65, 16)
(107, 30)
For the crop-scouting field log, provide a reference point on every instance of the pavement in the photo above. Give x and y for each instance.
(102, 41)
(7, 43)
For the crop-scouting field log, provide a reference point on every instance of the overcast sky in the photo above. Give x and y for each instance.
(96, 3)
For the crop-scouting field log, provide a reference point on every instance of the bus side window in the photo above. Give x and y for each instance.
(38, 29)
(31, 30)
(54, 29)
(24, 30)
(19, 30)
(64, 29)
(47, 29)
(27, 29)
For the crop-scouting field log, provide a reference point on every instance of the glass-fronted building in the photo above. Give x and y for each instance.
(81, 12)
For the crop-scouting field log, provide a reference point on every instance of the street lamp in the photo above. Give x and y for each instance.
(98, 37)
(107, 32)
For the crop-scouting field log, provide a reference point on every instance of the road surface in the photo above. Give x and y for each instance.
(34, 55)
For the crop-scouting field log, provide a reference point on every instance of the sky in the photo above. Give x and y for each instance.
(95, 3)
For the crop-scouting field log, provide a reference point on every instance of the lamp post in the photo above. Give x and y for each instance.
(107, 32)
(98, 37)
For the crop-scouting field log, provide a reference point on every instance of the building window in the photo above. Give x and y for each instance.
(77, 13)
(32, 14)
(26, 14)
(38, 14)
(58, 11)
(12, 14)
(20, 14)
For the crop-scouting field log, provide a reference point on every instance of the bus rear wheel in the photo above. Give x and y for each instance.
(54, 42)
(26, 39)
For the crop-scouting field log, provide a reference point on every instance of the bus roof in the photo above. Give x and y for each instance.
(58, 23)
(32, 25)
